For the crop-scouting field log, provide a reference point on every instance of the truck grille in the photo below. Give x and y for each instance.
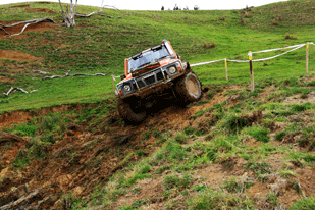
(159, 76)
(141, 84)
(150, 80)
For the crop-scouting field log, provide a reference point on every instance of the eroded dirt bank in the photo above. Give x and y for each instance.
(86, 155)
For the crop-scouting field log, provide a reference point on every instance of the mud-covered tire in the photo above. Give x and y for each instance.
(129, 114)
(188, 88)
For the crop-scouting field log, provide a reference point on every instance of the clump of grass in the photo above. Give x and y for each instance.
(308, 137)
(243, 22)
(235, 123)
(292, 81)
(272, 199)
(286, 173)
(199, 113)
(209, 200)
(209, 45)
(258, 167)
(22, 129)
(289, 36)
(173, 181)
(302, 107)
(235, 186)
(258, 132)
(145, 136)
(279, 136)
(304, 204)
(181, 138)
(189, 130)
(274, 22)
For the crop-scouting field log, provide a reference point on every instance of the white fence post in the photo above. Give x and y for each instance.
(307, 55)
(226, 72)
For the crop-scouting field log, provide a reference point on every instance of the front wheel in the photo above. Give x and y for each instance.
(131, 113)
(188, 88)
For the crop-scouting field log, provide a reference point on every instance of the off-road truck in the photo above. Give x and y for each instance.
(152, 73)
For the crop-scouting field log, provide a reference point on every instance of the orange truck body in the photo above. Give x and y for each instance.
(155, 75)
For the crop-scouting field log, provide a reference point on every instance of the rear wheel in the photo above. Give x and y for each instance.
(188, 88)
(131, 112)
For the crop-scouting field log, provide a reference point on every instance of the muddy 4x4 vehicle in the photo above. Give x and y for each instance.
(155, 72)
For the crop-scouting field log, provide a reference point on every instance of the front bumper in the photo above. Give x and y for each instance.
(153, 81)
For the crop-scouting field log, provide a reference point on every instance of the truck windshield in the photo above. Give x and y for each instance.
(151, 56)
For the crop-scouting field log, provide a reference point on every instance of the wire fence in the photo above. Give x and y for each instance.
(250, 60)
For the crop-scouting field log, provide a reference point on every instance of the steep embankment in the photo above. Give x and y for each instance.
(187, 154)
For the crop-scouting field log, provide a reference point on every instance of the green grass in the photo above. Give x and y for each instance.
(100, 44)
(303, 204)
(219, 137)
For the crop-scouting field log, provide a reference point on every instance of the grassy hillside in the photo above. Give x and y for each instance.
(234, 149)
(99, 44)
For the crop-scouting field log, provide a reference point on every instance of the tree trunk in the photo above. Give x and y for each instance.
(68, 18)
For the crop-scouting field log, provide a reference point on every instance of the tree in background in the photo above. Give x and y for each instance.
(196, 7)
(162, 8)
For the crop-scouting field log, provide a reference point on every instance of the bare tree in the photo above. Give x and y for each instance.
(68, 18)
(100, 12)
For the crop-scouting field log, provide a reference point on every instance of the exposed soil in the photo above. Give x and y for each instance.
(300, 99)
(6, 79)
(80, 160)
(23, 116)
(14, 55)
(41, 26)
(27, 5)
(40, 10)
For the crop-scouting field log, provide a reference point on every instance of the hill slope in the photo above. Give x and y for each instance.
(99, 44)
(233, 149)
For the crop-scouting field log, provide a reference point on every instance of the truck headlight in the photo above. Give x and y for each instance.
(172, 69)
(127, 88)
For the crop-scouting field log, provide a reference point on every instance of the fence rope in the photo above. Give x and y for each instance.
(296, 47)
(197, 64)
